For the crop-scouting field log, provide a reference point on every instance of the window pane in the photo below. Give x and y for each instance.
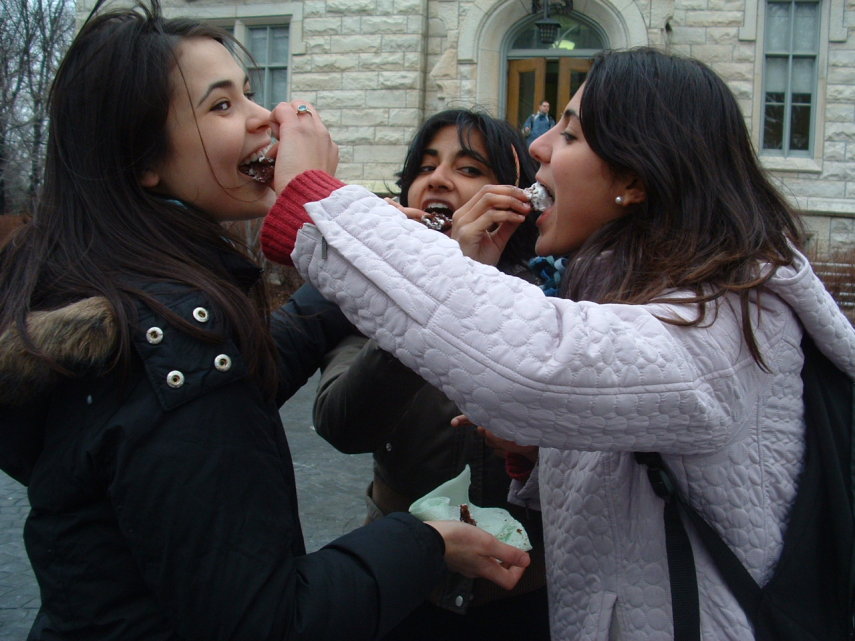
(527, 89)
(573, 34)
(803, 75)
(256, 83)
(776, 75)
(269, 47)
(279, 44)
(778, 26)
(258, 45)
(805, 27)
(800, 128)
(773, 127)
(278, 87)
(775, 98)
(789, 75)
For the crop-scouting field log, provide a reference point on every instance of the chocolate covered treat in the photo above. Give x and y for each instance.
(539, 197)
(260, 170)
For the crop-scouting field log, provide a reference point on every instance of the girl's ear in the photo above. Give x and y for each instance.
(634, 191)
(149, 179)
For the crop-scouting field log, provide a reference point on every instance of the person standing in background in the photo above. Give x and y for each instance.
(538, 123)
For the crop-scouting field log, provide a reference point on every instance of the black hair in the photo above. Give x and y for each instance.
(507, 157)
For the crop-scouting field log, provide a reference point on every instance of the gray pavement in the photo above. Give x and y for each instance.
(329, 486)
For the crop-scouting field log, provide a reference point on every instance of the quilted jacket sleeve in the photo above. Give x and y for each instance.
(538, 370)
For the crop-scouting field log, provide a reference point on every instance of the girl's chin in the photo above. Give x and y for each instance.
(256, 208)
(542, 245)
(268, 198)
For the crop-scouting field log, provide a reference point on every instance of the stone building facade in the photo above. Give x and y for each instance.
(375, 69)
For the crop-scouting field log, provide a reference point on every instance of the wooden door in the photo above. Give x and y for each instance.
(526, 88)
(533, 80)
(571, 74)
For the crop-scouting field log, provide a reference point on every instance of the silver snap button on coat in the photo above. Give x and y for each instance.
(154, 335)
(458, 600)
(175, 379)
(223, 363)
(201, 314)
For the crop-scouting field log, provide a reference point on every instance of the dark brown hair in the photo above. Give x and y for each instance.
(712, 222)
(96, 231)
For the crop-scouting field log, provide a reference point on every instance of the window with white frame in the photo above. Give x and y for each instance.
(790, 76)
(268, 45)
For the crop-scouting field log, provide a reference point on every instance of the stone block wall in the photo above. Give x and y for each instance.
(363, 68)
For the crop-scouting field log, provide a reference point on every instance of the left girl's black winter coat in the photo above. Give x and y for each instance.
(165, 508)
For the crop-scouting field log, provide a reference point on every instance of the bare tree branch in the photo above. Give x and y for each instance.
(34, 35)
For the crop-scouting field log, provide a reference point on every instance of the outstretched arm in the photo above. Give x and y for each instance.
(304, 329)
(538, 370)
(361, 387)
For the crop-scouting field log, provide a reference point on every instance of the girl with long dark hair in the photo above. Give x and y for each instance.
(679, 331)
(141, 375)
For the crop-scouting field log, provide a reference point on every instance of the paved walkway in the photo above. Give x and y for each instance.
(329, 485)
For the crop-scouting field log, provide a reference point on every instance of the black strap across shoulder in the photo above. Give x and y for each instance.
(810, 594)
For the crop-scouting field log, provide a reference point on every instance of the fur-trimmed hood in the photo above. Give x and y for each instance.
(79, 337)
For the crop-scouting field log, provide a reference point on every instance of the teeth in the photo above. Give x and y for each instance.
(539, 196)
(259, 155)
(439, 208)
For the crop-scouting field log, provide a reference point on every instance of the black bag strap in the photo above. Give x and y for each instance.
(681, 563)
(681, 560)
(829, 397)
(830, 407)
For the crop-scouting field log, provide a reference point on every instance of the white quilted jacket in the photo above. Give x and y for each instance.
(590, 384)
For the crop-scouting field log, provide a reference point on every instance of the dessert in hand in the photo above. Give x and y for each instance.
(539, 197)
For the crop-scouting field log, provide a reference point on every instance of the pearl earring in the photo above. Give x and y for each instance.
(619, 200)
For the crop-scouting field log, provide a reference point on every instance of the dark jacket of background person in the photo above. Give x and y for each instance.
(122, 472)
(368, 401)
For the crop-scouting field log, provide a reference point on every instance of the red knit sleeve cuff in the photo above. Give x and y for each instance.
(288, 214)
(518, 466)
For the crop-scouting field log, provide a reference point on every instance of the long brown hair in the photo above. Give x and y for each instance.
(712, 222)
(96, 231)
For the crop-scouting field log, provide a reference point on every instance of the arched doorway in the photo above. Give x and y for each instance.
(538, 72)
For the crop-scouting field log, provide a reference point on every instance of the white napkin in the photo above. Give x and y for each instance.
(443, 504)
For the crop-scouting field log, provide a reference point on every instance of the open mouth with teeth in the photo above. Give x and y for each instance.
(437, 216)
(259, 168)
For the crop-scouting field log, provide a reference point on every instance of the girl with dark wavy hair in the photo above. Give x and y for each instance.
(368, 401)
